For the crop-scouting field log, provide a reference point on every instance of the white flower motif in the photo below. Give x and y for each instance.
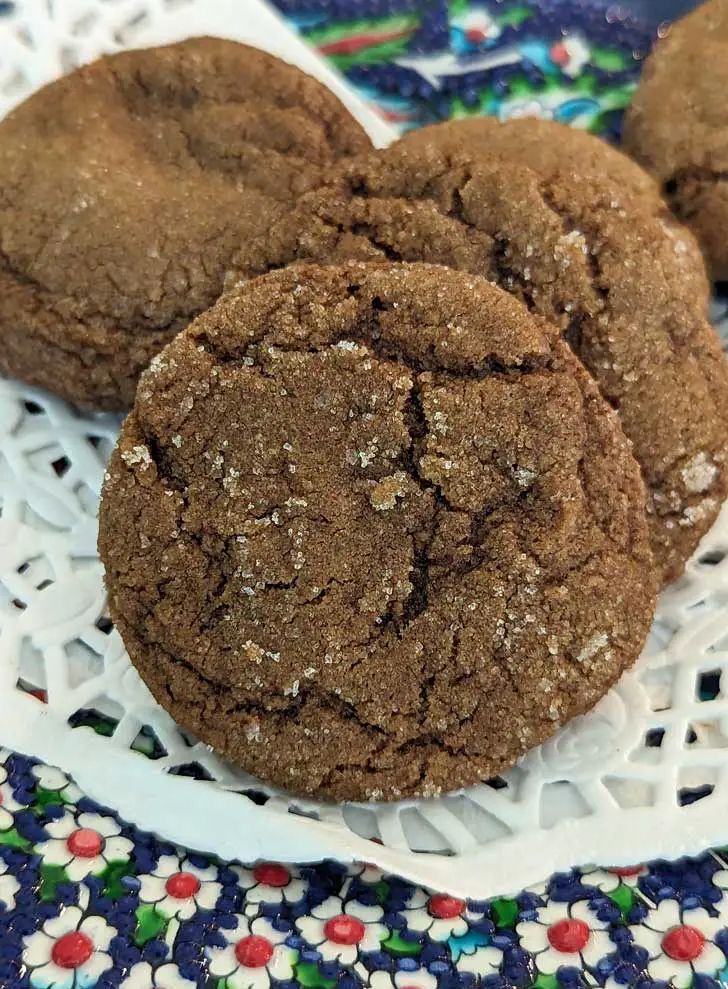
(607, 880)
(177, 888)
(9, 886)
(680, 946)
(571, 54)
(419, 978)
(365, 872)
(485, 960)
(8, 803)
(477, 25)
(85, 845)
(143, 976)
(255, 954)
(524, 108)
(56, 781)
(720, 878)
(439, 915)
(271, 882)
(69, 952)
(339, 931)
(565, 934)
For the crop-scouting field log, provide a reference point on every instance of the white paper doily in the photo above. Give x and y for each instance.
(645, 774)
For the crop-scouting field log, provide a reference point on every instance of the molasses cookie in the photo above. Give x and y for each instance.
(551, 148)
(597, 263)
(677, 126)
(545, 146)
(125, 188)
(372, 532)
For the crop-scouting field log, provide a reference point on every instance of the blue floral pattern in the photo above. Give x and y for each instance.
(419, 62)
(90, 902)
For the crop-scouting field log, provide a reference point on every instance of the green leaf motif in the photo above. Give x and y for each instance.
(15, 840)
(608, 59)
(387, 51)
(546, 981)
(308, 975)
(623, 897)
(504, 912)
(513, 17)
(396, 945)
(46, 798)
(381, 891)
(51, 876)
(112, 876)
(150, 924)
(457, 8)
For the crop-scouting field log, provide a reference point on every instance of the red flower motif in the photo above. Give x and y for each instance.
(85, 843)
(569, 935)
(182, 885)
(475, 35)
(445, 907)
(684, 943)
(72, 950)
(344, 930)
(254, 951)
(627, 870)
(271, 874)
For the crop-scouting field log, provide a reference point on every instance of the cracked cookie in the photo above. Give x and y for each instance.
(372, 532)
(550, 149)
(677, 126)
(602, 267)
(545, 146)
(125, 188)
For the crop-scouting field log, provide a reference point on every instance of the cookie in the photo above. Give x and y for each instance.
(545, 146)
(372, 532)
(599, 264)
(126, 186)
(677, 126)
(551, 148)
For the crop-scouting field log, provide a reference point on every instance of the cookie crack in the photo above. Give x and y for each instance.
(46, 299)
(367, 231)
(567, 221)
(687, 182)
(375, 342)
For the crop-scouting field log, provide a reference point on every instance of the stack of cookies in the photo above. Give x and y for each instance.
(415, 436)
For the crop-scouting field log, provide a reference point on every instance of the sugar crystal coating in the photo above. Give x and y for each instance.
(125, 189)
(607, 276)
(389, 625)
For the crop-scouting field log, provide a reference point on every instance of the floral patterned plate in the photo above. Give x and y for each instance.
(572, 61)
(89, 901)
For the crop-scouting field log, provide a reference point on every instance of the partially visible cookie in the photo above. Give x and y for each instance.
(550, 149)
(545, 146)
(594, 261)
(126, 186)
(372, 532)
(677, 126)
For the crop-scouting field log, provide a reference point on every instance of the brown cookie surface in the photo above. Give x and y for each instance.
(607, 271)
(545, 146)
(553, 149)
(372, 532)
(125, 188)
(677, 126)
